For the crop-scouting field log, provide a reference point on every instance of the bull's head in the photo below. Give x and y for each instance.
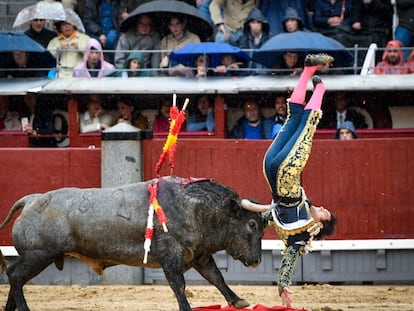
(245, 235)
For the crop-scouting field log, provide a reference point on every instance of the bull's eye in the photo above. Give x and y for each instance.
(252, 225)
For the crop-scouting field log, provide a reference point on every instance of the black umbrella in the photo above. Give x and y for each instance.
(161, 11)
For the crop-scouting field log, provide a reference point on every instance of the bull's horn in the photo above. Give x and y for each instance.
(254, 207)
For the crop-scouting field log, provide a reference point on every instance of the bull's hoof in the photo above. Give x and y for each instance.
(241, 304)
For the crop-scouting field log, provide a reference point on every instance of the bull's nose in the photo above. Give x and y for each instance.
(255, 263)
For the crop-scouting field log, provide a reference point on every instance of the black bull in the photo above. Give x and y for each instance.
(106, 227)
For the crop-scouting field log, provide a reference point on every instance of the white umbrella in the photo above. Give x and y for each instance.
(40, 10)
(73, 18)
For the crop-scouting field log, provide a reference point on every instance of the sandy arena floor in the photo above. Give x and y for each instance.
(161, 298)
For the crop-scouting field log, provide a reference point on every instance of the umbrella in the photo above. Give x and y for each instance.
(73, 18)
(40, 10)
(16, 41)
(305, 42)
(161, 10)
(189, 52)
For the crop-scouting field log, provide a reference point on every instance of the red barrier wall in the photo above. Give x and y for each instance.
(368, 183)
(31, 170)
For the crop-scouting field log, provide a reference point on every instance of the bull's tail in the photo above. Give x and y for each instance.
(18, 205)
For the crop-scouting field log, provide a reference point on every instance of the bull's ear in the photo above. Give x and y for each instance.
(232, 204)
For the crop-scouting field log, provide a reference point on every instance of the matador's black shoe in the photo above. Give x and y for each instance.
(316, 80)
(318, 59)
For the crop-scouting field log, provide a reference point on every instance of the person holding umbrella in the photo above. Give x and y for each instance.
(39, 32)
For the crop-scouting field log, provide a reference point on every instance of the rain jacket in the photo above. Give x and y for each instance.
(410, 63)
(384, 67)
(130, 40)
(68, 59)
(82, 69)
(234, 14)
(246, 41)
(291, 13)
(136, 73)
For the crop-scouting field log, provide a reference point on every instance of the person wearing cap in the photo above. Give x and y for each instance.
(68, 47)
(296, 220)
(253, 125)
(346, 131)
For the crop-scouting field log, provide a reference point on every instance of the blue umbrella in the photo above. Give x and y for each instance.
(214, 50)
(16, 41)
(304, 42)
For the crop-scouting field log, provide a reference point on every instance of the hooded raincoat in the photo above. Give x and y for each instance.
(83, 70)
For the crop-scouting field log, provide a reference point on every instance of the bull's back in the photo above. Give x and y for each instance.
(73, 219)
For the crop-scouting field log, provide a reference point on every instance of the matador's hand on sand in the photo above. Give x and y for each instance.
(286, 297)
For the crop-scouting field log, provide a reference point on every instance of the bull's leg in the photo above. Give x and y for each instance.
(174, 273)
(27, 266)
(208, 269)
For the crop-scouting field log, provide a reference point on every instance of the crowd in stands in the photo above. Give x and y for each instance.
(245, 24)
(142, 51)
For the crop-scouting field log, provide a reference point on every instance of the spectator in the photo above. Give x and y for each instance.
(39, 32)
(281, 113)
(290, 64)
(203, 8)
(9, 120)
(133, 67)
(202, 118)
(253, 125)
(373, 19)
(255, 33)
(229, 16)
(179, 37)
(25, 65)
(94, 64)
(201, 63)
(392, 60)
(405, 29)
(130, 115)
(275, 12)
(40, 122)
(230, 66)
(341, 113)
(143, 37)
(162, 119)
(102, 19)
(292, 21)
(410, 63)
(334, 19)
(346, 131)
(69, 45)
(95, 118)
(41, 35)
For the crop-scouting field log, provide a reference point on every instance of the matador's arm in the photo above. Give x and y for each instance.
(287, 267)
